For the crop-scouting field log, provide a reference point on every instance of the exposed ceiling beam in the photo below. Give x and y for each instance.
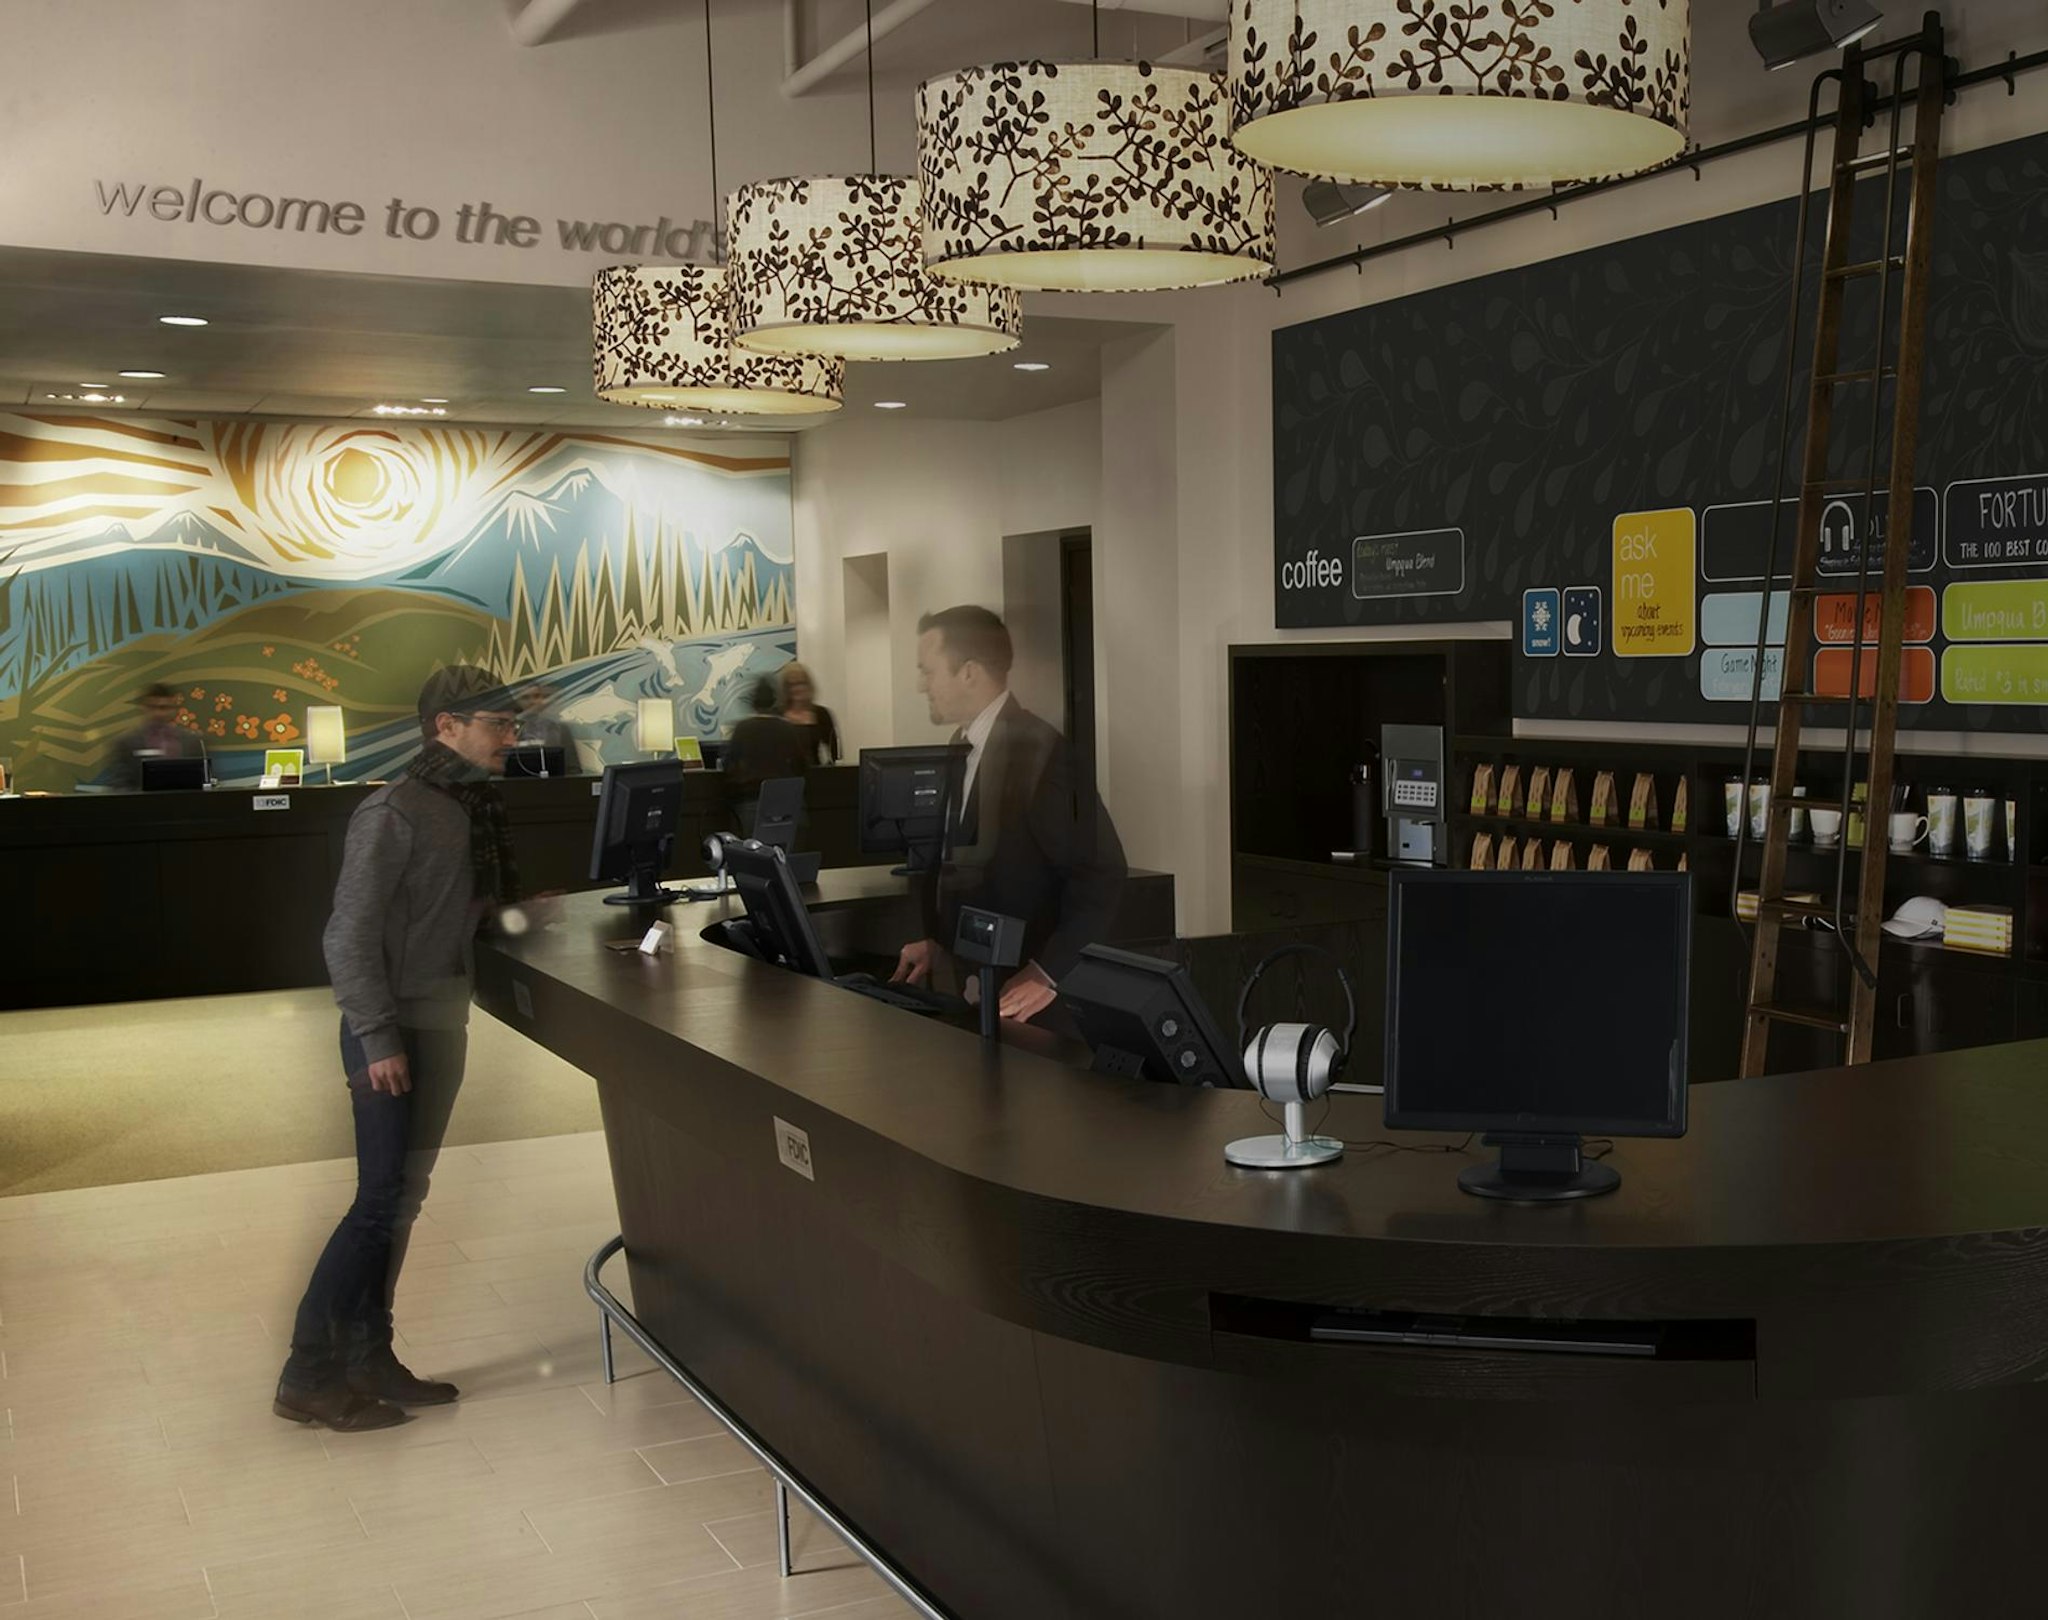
(535, 21)
(807, 76)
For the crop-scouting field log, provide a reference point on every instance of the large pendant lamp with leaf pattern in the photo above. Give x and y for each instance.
(1461, 94)
(662, 335)
(1089, 176)
(834, 265)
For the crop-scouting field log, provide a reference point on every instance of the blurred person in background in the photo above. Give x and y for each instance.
(763, 746)
(1026, 838)
(428, 861)
(801, 708)
(156, 735)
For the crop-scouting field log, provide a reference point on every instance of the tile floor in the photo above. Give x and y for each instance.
(143, 1477)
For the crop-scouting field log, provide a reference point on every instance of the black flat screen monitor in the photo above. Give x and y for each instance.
(637, 810)
(777, 811)
(171, 775)
(778, 923)
(532, 759)
(1142, 1017)
(713, 749)
(905, 795)
(1541, 1008)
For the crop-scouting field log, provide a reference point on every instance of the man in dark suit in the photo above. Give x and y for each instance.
(1026, 839)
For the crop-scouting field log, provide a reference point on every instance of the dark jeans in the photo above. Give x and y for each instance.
(346, 1313)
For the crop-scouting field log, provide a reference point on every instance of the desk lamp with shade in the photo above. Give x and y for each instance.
(656, 726)
(326, 738)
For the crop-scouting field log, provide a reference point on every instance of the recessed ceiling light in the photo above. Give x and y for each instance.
(143, 376)
(92, 385)
(1032, 365)
(93, 398)
(547, 390)
(181, 320)
(433, 402)
(682, 421)
(407, 410)
(891, 404)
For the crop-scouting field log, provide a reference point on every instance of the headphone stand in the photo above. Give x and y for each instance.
(1296, 1150)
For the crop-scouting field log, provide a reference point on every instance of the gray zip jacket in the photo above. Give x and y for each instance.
(400, 945)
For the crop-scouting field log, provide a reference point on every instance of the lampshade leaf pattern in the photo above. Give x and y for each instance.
(670, 329)
(841, 250)
(1630, 56)
(1035, 156)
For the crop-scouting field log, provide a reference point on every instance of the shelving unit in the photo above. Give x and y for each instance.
(1935, 997)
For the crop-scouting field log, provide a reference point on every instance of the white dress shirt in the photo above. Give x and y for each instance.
(976, 738)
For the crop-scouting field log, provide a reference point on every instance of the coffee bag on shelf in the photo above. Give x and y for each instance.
(1482, 790)
(1482, 852)
(1642, 803)
(1600, 813)
(1508, 801)
(1601, 859)
(1532, 855)
(1564, 795)
(1539, 791)
(1640, 860)
(1681, 806)
(1561, 856)
(1509, 857)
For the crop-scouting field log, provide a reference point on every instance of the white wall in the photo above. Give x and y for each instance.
(938, 499)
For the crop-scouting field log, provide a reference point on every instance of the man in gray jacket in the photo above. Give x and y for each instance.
(427, 859)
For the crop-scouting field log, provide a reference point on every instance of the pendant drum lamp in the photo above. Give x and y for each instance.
(662, 335)
(1088, 177)
(834, 265)
(1461, 94)
(663, 341)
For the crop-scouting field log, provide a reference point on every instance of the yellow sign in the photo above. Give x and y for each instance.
(1995, 610)
(1656, 592)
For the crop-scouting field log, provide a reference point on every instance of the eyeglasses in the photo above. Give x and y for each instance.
(503, 724)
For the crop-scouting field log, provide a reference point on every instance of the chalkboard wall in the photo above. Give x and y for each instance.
(1587, 447)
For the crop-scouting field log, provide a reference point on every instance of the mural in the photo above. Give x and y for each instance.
(259, 567)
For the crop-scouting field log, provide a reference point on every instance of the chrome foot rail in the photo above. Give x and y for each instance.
(612, 1312)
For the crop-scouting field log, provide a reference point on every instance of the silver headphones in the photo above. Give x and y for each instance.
(1295, 1062)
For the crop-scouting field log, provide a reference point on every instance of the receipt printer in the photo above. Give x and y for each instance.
(1412, 794)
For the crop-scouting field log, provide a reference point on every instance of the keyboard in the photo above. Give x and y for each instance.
(909, 997)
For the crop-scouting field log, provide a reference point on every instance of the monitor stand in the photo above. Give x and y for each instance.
(644, 888)
(919, 860)
(1538, 1170)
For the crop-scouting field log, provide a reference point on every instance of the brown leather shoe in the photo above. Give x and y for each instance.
(336, 1407)
(384, 1378)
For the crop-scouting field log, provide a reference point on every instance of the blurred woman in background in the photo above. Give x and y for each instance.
(814, 722)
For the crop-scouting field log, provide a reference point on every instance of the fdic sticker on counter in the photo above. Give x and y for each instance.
(1426, 562)
(1997, 522)
(2001, 672)
(1656, 584)
(1995, 610)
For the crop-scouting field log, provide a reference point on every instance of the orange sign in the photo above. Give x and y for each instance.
(1831, 672)
(1834, 617)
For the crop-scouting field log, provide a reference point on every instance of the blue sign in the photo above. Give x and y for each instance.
(1542, 614)
(1585, 627)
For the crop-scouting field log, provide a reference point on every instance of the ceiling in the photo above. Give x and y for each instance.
(326, 344)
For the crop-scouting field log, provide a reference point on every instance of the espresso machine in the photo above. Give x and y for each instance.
(1412, 794)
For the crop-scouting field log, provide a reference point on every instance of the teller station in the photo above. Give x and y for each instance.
(1144, 1314)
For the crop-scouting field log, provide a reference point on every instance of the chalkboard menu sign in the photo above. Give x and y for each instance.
(1586, 447)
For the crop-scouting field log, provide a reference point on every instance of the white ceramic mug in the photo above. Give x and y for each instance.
(1980, 817)
(1907, 830)
(1827, 826)
(1941, 824)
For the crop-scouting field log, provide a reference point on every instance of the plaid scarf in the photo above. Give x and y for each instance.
(492, 866)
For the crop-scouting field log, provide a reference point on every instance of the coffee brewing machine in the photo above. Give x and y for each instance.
(1412, 794)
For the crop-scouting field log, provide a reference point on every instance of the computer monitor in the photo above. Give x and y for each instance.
(905, 795)
(172, 775)
(637, 810)
(777, 811)
(1142, 1017)
(1539, 1008)
(778, 926)
(532, 759)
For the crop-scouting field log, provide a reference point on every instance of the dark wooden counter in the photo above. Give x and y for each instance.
(124, 897)
(1031, 1334)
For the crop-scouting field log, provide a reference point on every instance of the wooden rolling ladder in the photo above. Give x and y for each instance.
(1904, 270)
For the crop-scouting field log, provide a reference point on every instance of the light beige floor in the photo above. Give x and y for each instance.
(96, 1096)
(143, 1477)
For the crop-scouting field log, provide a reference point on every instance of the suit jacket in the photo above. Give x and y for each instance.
(1030, 843)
